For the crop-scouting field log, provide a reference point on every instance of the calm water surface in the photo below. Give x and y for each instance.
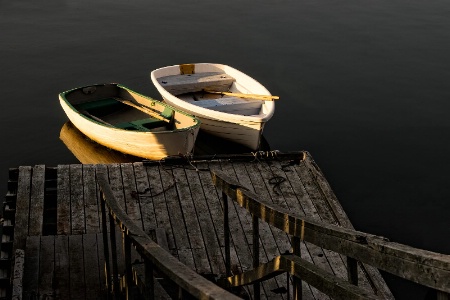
(364, 87)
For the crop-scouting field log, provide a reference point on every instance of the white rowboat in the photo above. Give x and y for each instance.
(121, 119)
(212, 93)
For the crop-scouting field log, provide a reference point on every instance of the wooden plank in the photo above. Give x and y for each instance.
(37, 200)
(161, 238)
(63, 200)
(22, 208)
(205, 221)
(171, 204)
(90, 200)
(212, 200)
(188, 208)
(115, 180)
(77, 200)
(145, 197)
(31, 274)
(101, 264)
(130, 192)
(92, 267)
(18, 273)
(314, 194)
(62, 274)
(191, 221)
(186, 257)
(216, 212)
(76, 267)
(180, 84)
(156, 208)
(46, 266)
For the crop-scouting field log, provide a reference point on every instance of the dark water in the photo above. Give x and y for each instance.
(364, 87)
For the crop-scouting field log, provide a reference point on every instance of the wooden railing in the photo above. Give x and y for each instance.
(155, 259)
(423, 267)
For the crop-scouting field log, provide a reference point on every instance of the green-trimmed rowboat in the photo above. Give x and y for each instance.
(121, 119)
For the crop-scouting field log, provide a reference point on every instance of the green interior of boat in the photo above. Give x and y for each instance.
(107, 106)
(101, 107)
(142, 125)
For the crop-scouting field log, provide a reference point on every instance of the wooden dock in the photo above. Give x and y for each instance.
(53, 214)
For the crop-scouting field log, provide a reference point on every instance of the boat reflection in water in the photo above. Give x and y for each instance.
(89, 152)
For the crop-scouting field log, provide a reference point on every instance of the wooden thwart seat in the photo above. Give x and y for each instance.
(189, 83)
(231, 105)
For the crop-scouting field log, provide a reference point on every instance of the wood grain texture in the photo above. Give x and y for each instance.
(77, 213)
(63, 200)
(90, 194)
(62, 284)
(37, 200)
(22, 208)
(76, 267)
(177, 202)
(31, 274)
(46, 266)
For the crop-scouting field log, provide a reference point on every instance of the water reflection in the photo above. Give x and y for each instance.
(90, 152)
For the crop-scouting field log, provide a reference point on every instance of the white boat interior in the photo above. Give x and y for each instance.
(193, 88)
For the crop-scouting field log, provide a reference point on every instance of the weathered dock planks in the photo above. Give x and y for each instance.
(177, 202)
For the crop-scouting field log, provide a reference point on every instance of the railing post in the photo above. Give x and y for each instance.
(296, 282)
(115, 275)
(128, 270)
(226, 232)
(149, 280)
(255, 227)
(352, 270)
(105, 247)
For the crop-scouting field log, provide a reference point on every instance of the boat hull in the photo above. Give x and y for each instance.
(149, 145)
(243, 129)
